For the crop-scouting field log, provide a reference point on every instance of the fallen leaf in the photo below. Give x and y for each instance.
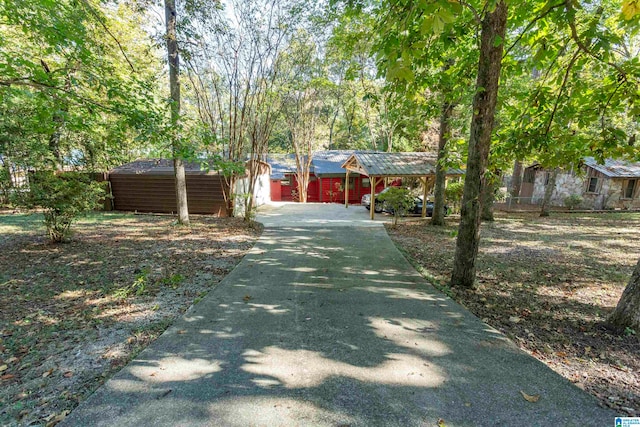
(182, 331)
(7, 377)
(530, 398)
(441, 423)
(57, 418)
(515, 319)
(246, 298)
(68, 374)
(47, 373)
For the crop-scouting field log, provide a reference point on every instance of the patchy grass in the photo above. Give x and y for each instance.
(549, 284)
(74, 313)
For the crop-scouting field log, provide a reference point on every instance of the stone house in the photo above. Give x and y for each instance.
(613, 185)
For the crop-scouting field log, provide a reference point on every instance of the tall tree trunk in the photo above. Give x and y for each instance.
(174, 86)
(484, 105)
(516, 180)
(489, 196)
(627, 312)
(545, 210)
(441, 171)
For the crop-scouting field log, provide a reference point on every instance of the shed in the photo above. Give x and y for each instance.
(148, 186)
(380, 165)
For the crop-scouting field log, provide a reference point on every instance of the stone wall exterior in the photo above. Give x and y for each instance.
(607, 196)
(566, 185)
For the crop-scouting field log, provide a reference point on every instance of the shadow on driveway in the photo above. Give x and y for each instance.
(331, 326)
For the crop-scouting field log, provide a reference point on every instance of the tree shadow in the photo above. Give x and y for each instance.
(332, 327)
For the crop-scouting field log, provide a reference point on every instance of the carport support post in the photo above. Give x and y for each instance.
(372, 205)
(424, 180)
(346, 191)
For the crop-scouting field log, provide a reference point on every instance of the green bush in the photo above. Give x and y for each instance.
(397, 200)
(573, 201)
(63, 198)
(453, 193)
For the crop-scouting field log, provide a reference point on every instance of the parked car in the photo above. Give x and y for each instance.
(366, 201)
(416, 210)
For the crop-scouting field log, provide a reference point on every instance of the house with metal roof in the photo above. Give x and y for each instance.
(612, 185)
(344, 176)
(327, 178)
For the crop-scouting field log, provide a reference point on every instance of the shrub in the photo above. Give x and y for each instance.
(63, 198)
(398, 201)
(453, 193)
(573, 201)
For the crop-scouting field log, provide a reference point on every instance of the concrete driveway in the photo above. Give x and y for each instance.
(291, 214)
(325, 323)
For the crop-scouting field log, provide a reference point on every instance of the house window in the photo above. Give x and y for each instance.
(630, 189)
(285, 182)
(593, 185)
(352, 183)
(366, 183)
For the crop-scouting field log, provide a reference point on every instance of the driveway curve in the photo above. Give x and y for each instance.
(325, 323)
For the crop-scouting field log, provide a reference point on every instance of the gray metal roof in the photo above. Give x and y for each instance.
(281, 164)
(327, 162)
(399, 164)
(615, 168)
(330, 162)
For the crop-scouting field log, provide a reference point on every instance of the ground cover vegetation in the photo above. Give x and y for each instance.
(550, 285)
(74, 313)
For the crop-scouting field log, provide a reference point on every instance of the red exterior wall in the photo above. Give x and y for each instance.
(276, 192)
(324, 190)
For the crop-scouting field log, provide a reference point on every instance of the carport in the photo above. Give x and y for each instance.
(378, 166)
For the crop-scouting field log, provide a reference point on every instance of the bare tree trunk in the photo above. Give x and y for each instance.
(627, 312)
(548, 192)
(441, 171)
(484, 105)
(516, 180)
(174, 86)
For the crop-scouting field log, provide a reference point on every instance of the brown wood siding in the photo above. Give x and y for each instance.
(156, 193)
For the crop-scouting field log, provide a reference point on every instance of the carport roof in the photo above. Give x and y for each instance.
(395, 164)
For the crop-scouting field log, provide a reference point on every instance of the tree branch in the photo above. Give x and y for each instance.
(564, 84)
(104, 26)
(473, 10)
(581, 45)
(529, 26)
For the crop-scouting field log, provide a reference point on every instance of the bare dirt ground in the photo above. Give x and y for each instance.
(549, 284)
(74, 313)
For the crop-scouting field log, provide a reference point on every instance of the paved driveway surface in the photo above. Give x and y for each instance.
(325, 323)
